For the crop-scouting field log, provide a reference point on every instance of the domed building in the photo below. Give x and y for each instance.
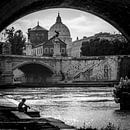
(37, 35)
(62, 29)
(39, 45)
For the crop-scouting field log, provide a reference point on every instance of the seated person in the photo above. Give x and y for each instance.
(22, 107)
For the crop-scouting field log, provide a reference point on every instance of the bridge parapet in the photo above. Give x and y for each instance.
(83, 68)
(6, 70)
(91, 68)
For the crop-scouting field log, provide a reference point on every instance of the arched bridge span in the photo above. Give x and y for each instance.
(34, 72)
(28, 65)
(38, 69)
(35, 69)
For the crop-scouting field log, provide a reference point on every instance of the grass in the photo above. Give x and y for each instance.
(110, 126)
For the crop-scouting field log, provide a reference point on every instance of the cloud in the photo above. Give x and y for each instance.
(88, 25)
(79, 23)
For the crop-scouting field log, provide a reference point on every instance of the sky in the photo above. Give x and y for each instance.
(79, 23)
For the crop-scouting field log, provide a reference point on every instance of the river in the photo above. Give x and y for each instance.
(77, 106)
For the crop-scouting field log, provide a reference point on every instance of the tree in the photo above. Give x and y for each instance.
(16, 39)
(98, 47)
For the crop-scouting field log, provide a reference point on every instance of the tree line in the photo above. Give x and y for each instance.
(93, 47)
(15, 39)
(98, 47)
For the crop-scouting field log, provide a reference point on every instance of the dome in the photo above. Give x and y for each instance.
(59, 27)
(38, 28)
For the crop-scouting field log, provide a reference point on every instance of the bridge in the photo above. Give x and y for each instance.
(41, 70)
(116, 12)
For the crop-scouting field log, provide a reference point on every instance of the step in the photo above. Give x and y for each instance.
(21, 115)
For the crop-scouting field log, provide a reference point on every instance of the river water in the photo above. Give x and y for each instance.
(77, 106)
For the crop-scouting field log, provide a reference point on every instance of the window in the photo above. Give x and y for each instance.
(63, 50)
(37, 51)
(51, 50)
(46, 50)
(34, 52)
(41, 51)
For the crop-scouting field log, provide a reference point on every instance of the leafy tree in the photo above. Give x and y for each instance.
(16, 39)
(97, 47)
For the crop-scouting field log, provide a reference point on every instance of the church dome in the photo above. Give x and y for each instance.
(38, 28)
(59, 27)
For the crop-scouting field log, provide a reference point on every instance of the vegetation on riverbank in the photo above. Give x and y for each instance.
(110, 126)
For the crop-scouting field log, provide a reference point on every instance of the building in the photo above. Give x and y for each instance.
(40, 45)
(37, 35)
(47, 48)
(62, 29)
(74, 50)
(75, 46)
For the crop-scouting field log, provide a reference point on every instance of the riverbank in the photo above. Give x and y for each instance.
(76, 106)
(10, 118)
(62, 84)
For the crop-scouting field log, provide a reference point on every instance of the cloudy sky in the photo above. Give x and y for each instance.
(80, 23)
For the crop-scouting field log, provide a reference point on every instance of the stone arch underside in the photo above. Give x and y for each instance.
(34, 73)
(116, 12)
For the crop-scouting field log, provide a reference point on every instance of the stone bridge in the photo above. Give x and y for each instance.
(49, 69)
(116, 12)
(35, 69)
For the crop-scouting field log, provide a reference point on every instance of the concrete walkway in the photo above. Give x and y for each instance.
(10, 118)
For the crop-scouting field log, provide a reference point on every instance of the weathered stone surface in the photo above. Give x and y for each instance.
(47, 69)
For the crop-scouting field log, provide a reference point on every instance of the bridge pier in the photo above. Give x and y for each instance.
(6, 76)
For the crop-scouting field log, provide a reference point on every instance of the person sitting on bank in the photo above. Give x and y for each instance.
(22, 107)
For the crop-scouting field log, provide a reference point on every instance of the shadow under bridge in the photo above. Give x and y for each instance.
(36, 74)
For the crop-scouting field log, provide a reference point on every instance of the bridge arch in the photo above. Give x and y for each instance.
(34, 73)
(36, 63)
(116, 12)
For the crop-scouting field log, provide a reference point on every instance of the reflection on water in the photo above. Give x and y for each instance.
(92, 106)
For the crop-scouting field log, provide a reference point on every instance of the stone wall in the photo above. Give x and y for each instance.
(96, 68)
(91, 68)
